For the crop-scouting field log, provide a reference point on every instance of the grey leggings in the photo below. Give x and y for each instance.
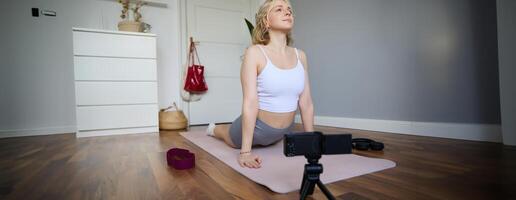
(263, 134)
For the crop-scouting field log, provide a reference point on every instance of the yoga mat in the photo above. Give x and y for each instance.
(283, 174)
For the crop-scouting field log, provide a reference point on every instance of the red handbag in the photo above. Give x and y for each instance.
(195, 82)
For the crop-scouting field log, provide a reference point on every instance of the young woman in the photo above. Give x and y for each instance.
(274, 83)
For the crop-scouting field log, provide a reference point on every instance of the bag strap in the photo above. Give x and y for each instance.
(191, 56)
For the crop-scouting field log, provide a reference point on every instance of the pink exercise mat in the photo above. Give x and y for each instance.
(284, 174)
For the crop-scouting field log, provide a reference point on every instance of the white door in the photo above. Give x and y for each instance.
(221, 36)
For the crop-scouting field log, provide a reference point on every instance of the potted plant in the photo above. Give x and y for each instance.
(134, 25)
(249, 26)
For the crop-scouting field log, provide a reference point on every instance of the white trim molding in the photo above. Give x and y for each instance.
(37, 131)
(464, 131)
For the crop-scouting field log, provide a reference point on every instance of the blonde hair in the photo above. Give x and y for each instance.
(260, 31)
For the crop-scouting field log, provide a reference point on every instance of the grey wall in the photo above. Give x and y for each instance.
(507, 59)
(36, 77)
(408, 60)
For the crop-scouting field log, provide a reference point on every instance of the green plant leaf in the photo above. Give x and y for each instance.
(249, 26)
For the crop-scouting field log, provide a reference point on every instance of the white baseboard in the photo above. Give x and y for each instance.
(476, 132)
(123, 131)
(73, 129)
(37, 131)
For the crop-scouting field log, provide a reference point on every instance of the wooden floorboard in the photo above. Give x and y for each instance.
(134, 167)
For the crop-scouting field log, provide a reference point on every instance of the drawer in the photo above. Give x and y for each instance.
(97, 68)
(109, 93)
(113, 45)
(113, 117)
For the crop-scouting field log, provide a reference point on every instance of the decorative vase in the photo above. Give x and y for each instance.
(130, 26)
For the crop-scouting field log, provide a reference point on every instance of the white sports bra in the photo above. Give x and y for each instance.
(279, 89)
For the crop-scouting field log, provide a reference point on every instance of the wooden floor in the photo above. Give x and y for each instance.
(134, 167)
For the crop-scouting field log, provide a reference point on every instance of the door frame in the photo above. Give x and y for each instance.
(183, 47)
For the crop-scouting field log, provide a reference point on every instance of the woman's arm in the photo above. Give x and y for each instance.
(248, 75)
(305, 99)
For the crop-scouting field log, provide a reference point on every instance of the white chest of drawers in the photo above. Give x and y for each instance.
(115, 82)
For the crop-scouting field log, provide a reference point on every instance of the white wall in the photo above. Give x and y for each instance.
(507, 68)
(36, 74)
(414, 67)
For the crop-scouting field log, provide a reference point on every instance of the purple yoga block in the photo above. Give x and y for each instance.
(180, 158)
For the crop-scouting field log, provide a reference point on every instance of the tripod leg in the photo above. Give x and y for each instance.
(303, 182)
(304, 189)
(311, 188)
(325, 190)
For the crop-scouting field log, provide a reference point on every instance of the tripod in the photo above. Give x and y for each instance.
(311, 177)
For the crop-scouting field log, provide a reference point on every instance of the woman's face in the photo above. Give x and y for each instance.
(280, 17)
